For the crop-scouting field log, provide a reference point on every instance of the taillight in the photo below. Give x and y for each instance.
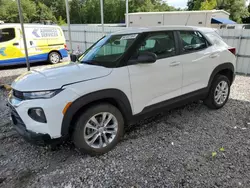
(232, 50)
(65, 47)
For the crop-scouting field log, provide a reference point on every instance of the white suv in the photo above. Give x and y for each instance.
(121, 77)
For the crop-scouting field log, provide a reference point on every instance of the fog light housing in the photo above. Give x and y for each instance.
(37, 114)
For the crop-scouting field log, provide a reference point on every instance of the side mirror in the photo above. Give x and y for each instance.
(73, 57)
(147, 57)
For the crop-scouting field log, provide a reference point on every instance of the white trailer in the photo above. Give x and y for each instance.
(209, 18)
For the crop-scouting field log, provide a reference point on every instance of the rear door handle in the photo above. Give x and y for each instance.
(175, 63)
(214, 55)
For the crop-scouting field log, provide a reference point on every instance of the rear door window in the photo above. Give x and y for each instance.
(7, 34)
(192, 41)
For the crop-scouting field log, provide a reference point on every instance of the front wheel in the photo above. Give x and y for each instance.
(98, 129)
(54, 57)
(219, 92)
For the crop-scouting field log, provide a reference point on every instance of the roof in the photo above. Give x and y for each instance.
(25, 25)
(161, 28)
(222, 21)
(182, 12)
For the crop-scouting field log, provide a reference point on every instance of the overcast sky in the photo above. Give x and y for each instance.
(177, 3)
(182, 3)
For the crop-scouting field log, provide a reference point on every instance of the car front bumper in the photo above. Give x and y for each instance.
(30, 136)
(53, 111)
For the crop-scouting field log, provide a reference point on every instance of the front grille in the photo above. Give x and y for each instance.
(18, 94)
(16, 118)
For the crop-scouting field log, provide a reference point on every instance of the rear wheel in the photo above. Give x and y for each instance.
(54, 57)
(219, 92)
(98, 129)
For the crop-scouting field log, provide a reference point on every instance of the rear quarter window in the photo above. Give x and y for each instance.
(216, 39)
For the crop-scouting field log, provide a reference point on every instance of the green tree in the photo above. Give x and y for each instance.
(76, 11)
(44, 13)
(194, 4)
(61, 21)
(81, 11)
(236, 8)
(9, 11)
(208, 5)
(56, 6)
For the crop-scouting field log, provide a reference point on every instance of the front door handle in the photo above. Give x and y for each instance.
(15, 44)
(175, 63)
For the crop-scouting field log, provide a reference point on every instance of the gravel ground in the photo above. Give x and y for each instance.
(9, 73)
(173, 149)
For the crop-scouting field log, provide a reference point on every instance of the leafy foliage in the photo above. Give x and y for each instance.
(208, 5)
(9, 11)
(236, 8)
(88, 11)
(82, 11)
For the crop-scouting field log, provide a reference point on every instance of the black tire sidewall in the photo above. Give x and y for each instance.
(50, 57)
(78, 137)
(217, 80)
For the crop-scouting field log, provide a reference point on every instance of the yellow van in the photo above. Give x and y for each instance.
(44, 42)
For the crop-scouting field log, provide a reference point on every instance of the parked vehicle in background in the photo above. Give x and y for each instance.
(122, 77)
(45, 43)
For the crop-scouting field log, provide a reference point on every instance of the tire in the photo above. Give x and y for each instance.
(84, 129)
(54, 57)
(213, 100)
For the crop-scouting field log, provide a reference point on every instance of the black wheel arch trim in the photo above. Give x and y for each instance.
(219, 68)
(114, 94)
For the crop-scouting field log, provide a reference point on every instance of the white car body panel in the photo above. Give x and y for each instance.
(197, 68)
(164, 78)
(56, 76)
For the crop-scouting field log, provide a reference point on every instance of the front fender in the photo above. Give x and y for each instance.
(117, 95)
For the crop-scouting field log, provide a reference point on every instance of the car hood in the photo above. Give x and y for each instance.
(55, 76)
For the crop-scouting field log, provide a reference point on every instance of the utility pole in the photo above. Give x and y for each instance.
(102, 16)
(68, 21)
(127, 21)
(23, 32)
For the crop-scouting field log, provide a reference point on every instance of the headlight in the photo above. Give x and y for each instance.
(36, 94)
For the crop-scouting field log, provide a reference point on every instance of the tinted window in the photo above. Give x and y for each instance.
(108, 50)
(162, 44)
(113, 47)
(7, 34)
(192, 41)
(246, 27)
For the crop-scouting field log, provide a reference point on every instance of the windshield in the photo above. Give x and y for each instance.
(108, 50)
